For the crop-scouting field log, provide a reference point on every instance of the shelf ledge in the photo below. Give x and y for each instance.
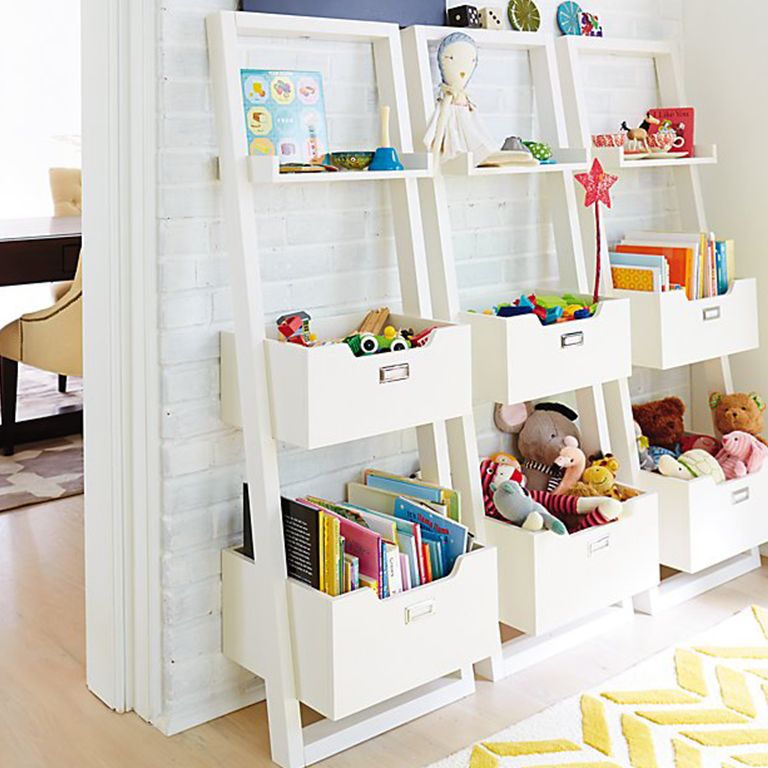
(569, 160)
(266, 170)
(613, 157)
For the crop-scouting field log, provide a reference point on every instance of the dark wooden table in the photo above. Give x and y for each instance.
(41, 251)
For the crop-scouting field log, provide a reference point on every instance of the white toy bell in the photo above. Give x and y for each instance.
(455, 127)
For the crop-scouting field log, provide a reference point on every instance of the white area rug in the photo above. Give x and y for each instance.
(700, 705)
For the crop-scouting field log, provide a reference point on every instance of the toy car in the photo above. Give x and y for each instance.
(363, 344)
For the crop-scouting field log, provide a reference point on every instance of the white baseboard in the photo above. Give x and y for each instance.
(224, 704)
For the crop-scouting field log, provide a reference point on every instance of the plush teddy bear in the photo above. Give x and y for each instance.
(738, 412)
(661, 421)
(742, 454)
(541, 431)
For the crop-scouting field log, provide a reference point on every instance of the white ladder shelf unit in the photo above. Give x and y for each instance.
(517, 360)
(307, 646)
(709, 533)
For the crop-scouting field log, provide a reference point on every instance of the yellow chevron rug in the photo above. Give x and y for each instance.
(702, 705)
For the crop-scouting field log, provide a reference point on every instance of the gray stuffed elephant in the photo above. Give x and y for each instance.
(517, 506)
(541, 433)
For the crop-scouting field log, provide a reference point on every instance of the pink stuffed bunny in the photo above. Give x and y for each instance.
(742, 454)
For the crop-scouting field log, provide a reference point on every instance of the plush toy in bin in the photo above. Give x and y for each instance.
(692, 464)
(519, 508)
(661, 421)
(576, 513)
(742, 454)
(541, 434)
(738, 412)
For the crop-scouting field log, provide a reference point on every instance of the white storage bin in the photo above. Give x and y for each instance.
(354, 651)
(668, 330)
(703, 523)
(517, 358)
(325, 395)
(548, 581)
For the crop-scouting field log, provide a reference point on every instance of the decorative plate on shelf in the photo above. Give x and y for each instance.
(569, 18)
(667, 155)
(524, 16)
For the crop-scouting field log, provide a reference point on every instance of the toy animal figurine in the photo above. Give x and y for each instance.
(742, 454)
(455, 127)
(573, 461)
(738, 411)
(692, 464)
(639, 136)
(517, 506)
(599, 479)
(541, 431)
(647, 462)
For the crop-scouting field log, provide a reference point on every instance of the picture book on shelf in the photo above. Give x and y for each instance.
(680, 120)
(379, 539)
(285, 114)
(419, 489)
(697, 263)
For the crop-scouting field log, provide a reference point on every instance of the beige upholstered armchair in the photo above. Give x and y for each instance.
(51, 339)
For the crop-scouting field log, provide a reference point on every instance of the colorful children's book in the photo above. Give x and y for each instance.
(636, 278)
(643, 260)
(681, 120)
(417, 489)
(285, 114)
(680, 262)
(405, 572)
(361, 495)
(301, 531)
(394, 575)
(409, 548)
(457, 535)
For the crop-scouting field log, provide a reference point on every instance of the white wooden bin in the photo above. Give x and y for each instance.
(354, 651)
(547, 581)
(517, 358)
(668, 330)
(325, 395)
(702, 523)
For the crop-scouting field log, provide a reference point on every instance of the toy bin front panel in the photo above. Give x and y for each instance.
(517, 359)
(573, 577)
(703, 523)
(670, 331)
(375, 649)
(337, 397)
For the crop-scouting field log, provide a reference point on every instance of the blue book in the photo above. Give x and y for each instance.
(456, 535)
(436, 543)
(721, 262)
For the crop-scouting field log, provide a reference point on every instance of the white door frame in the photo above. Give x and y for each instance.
(121, 360)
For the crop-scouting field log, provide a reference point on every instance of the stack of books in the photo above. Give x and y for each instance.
(697, 263)
(393, 534)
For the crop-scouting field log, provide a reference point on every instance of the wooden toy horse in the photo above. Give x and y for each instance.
(640, 134)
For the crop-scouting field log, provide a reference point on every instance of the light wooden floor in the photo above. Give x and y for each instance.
(48, 718)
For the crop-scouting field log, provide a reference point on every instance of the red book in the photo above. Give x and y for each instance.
(427, 561)
(679, 119)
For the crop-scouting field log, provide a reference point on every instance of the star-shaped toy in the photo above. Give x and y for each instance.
(598, 184)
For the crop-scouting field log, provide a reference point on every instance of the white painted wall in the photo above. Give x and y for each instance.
(725, 84)
(325, 255)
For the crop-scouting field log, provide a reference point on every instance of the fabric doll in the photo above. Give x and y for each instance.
(455, 127)
(576, 513)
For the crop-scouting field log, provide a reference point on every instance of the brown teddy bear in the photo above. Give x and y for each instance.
(738, 412)
(661, 421)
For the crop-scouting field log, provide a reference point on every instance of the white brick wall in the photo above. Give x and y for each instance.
(327, 255)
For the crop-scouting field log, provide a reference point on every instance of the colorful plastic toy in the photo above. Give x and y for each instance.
(363, 344)
(294, 328)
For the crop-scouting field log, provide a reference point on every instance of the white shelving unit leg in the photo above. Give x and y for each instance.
(560, 186)
(705, 376)
(257, 610)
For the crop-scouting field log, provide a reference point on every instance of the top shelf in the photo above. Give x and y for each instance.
(613, 157)
(266, 170)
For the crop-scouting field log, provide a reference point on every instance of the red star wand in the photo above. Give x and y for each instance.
(597, 183)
